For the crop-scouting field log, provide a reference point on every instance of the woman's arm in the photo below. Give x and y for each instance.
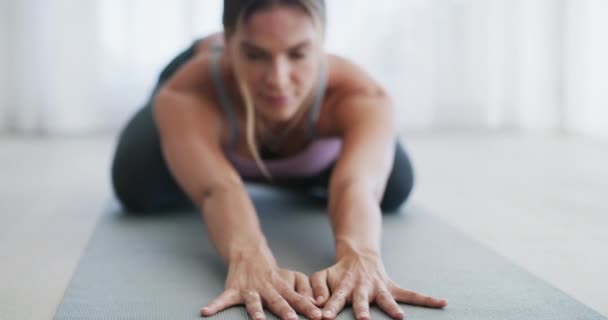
(190, 134)
(366, 121)
(190, 129)
(365, 118)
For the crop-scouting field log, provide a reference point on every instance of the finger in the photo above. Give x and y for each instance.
(303, 286)
(361, 304)
(320, 289)
(289, 277)
(337, 301)
(277, 304)
(412, 297)
(387, 303)
(253, 304)
(300, 303)
(225, 300)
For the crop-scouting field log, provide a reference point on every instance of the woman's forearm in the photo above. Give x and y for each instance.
(233, 225)
(356, 220)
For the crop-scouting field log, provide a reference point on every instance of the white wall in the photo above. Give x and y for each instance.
(537, 63)
(586, 67)
(489, 64)
(394, 42)
(498, 64)
(56, 81)
(459, 72)
(474, 64)
(5, 56)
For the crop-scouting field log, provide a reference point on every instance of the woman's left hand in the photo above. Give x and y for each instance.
(361, 279)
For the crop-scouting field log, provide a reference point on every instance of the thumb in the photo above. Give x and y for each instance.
(225, 300)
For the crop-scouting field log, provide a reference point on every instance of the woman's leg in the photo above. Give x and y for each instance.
(141, 179)
(400, 183)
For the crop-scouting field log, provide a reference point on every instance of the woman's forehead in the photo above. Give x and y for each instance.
(278, 28)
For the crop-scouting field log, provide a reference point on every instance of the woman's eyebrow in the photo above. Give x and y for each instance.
(300, 45)
(250, 46)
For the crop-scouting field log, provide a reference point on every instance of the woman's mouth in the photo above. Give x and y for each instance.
(277, 101)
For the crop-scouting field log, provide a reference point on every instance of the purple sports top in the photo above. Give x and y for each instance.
(317, 156)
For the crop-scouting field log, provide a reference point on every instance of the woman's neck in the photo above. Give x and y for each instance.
(277, 126)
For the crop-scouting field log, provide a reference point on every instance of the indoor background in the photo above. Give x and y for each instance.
(502, 104)
(80, 67)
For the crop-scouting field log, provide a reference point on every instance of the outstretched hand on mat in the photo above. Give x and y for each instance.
(361, 279)
(255, 280)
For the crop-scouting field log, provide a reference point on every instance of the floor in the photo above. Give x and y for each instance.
(537, 200)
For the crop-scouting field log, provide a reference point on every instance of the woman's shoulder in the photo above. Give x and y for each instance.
(347, 76)
(346, 79)
(195, 74)
(194, 78)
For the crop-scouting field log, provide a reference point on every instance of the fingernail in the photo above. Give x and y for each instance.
(317, 313)
(319, 299)
(363, 315)
(327, 313)
(205, 309)
(258, 315)
(311, 299)
(292, 315)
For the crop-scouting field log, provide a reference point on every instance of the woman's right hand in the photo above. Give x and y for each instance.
(255, 280)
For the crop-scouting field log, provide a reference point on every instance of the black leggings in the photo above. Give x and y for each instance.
(142, 181)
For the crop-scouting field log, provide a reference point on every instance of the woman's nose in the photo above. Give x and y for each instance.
(277, 77)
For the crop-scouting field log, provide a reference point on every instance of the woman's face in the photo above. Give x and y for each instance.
(278, 55)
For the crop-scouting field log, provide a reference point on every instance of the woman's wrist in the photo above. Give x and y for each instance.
(348, 247)
(251, 252)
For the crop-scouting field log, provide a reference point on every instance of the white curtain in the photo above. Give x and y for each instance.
(80, 67)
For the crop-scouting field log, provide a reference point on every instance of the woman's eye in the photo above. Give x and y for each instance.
(254, 56)
(296, 55)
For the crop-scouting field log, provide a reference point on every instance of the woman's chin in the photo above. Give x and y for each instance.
(277, 117)
(278, 113)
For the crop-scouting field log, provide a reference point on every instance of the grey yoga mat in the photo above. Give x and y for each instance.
(162, 266)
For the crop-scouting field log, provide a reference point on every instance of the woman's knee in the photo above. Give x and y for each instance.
(400, 183)
(128, 189)
(128, 182)
(144, 188)
(140, 178)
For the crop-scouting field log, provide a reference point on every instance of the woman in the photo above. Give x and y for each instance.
(263, 102)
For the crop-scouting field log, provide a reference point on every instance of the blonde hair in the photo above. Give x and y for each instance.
(312, 8)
